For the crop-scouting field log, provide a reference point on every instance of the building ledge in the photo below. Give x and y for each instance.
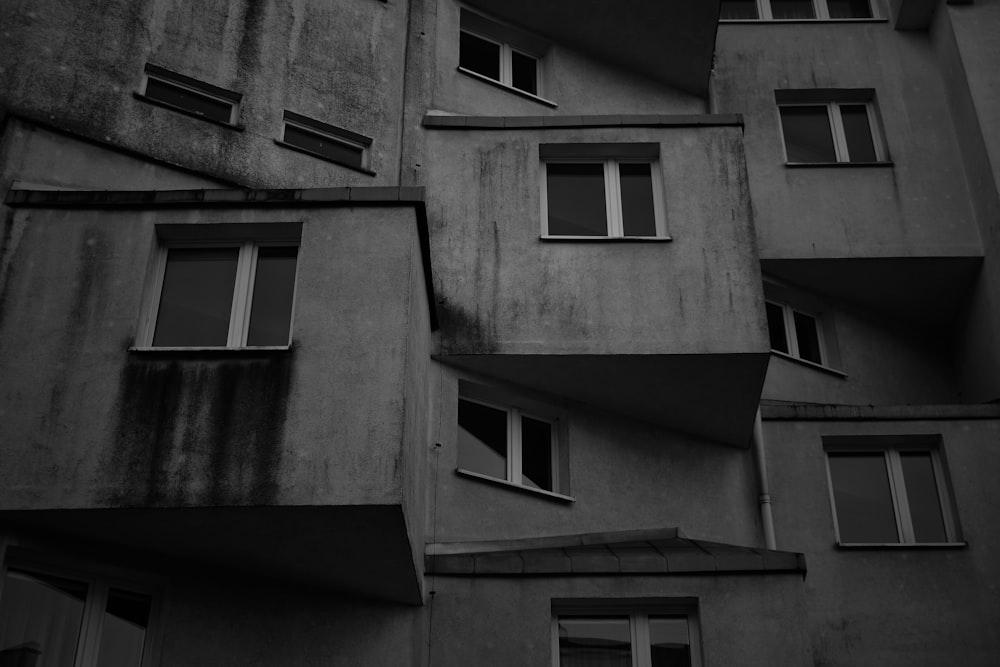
(823, 412)
(443, 121)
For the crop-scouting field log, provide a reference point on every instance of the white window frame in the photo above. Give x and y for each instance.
(820, 8)
(506, 64)
(897, 490)
(194, 86)
(788, 316)
(612, 196)
(241, 306)
(836, 124)
(638, 617)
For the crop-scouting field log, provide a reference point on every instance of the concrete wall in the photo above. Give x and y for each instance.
(893, 606)
(77, 64)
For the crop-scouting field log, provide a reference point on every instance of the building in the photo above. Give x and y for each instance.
(369, 332)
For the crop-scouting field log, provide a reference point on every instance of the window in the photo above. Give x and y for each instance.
(795, 333)
(50, 620)
(613, 634)
(325, 141)
(602, 190)
(777, 10)
(221, 293)
(891, 492)
(500, 54)
(190, 96)
(821, 129)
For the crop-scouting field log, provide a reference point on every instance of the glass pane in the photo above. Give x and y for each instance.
(190, 100)
(323, 145)
(807, 336)
(739, 9)
(923, 497)
(197, 297)
(273, 288)
(479, 55)
(793, 9)
(124, 631)
(858, 133)
(669, 643)
(595, 642)
(524, 72)
(863, 499)
(536, 454)
(807, 134)
(576, 199)
(849, 9)
(776, 326)
(482, 439)
(40, 618)
(637, 199)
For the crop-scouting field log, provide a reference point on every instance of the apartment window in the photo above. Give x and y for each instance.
(597, 634)
(50, 619)
(889, 492)
(795, 333)
(221, 293)
(500, 53)
(325, 141)
(602, 191)
(830, 127)
(779, 10)
(190, 96)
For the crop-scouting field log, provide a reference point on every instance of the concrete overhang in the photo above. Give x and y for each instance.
(672, 41)
(710, 396)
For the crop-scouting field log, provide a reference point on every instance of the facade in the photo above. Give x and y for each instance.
(369, 332)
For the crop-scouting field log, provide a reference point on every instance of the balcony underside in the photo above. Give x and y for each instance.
(685, 392)
(359, 550)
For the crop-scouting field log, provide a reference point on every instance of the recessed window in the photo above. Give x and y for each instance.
(795, 10)
(890, 495)
(190, 95)
(222, 294)
(326, 141)
(601, 196)
(50, 619)
(795, 333)
(500, 53)
(818, 130)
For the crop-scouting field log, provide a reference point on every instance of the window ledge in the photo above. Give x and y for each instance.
(810, 364)
(798, 165)
(327, 158)
(186, 112)
(796, 21)
(901, 545)
(612, 239)
(510, 89)
(204, 351)
(515, 487)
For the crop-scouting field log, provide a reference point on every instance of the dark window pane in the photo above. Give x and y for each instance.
(793, 9)
(273, 287)
(536, 454)
(863, 499)
(594, 642)
(922, 496)
(189, 100)
(807, 134)
(849, 9)
(637, 199)
(858, 133)
(197, 297)
(739, 9)
(479, 55)
(807, 336)
(524, 72)
(482, 439)
(669, 643)
(124, 631)
(40, 619)
(576, 202)
(776, 326)
(337, 151)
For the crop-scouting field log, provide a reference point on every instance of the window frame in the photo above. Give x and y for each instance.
(638, 612)
(331, 133)
(820, 9)
(890, 448)
(788, 316)
(838, 134)
(506, 55)
(232, 99)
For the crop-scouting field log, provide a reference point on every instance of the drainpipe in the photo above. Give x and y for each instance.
(765, 497)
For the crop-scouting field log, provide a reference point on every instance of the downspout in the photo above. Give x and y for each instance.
(765, 497)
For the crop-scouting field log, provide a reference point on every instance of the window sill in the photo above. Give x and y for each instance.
(515, 487)
(613, 239)
(810, 364)
(326, 158)
(187, 112)
(210, 351)
(901, 545)
(509, 89)
(871, 20)
(799, 165)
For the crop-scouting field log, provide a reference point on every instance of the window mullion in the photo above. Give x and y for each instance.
(822, 12)
(839, 137)
(514, 446)
(90, 628)
(764, 10)
(157, 293)
(640, 640)
(505, 64)
(613, 199)
(944, 501)
(792, 340)
(241, 295)
(897, 485)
